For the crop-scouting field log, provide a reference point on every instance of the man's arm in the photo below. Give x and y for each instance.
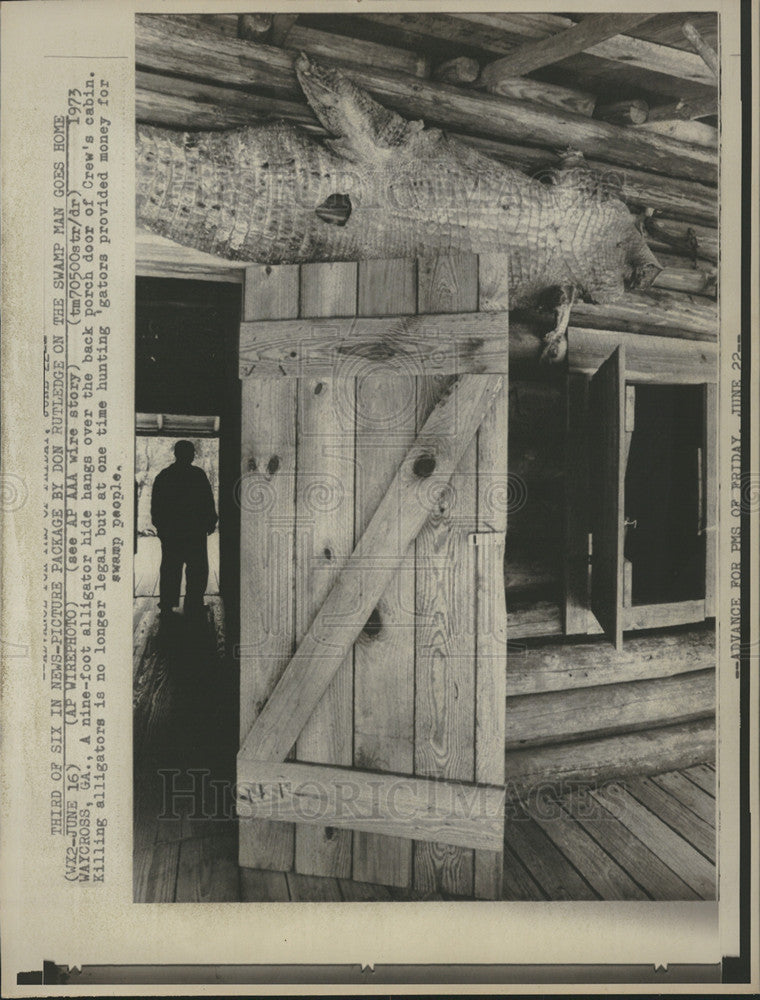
(157, 503)
(209, 505)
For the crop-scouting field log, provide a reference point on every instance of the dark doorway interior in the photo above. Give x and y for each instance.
(663, 495)
(186, 363)
(185, 694)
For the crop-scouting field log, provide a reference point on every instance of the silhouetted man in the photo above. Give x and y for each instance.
(183, 511)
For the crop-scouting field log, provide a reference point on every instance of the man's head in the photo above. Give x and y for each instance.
(184, 452)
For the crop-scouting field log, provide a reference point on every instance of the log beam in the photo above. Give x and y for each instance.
(281, 26)
(182, 50)
(650, 359)
(653, 313)
(633, 112)
(560, 716)
(689, 239)
(155, 256)
(324, 45)
(689, 280)
(442, 344)
(654, 58)
(705, 51)
(699, 133)
(593, 29)
(459, 71)
(650, 49)
(445, 812)
(686, 109)
(667, 748)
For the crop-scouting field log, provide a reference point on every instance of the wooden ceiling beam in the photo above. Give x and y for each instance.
(521, 25)
(325, 45)
(653, 58)
(184, 50)
(684, 110)
(534, 55)
(647, 47)
(419, 30)
(460, 71)
(281, 25)
(705, 51)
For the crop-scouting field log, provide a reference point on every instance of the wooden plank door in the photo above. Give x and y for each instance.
(384, 653)
(386, 669)
(607, 402)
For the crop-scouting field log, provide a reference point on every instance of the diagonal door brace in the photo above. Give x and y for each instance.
(379, 553)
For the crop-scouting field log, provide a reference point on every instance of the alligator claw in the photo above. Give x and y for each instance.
(555, 341)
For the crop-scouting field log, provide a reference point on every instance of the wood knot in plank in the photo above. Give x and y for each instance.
(424, 466)
(374, 625)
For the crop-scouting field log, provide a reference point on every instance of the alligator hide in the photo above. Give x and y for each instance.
(382, 187)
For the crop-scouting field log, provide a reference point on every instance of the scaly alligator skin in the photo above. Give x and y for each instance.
(252, 194)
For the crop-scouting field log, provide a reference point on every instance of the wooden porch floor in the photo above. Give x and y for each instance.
(148, 566)
(649, 838)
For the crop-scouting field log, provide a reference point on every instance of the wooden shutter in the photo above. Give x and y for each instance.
(608, 453)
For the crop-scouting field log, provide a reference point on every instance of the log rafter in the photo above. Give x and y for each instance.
(590, 31)
(247, 65)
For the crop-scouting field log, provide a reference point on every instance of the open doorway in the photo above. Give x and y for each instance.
(154, 451)
(187, 386)
(185, 673)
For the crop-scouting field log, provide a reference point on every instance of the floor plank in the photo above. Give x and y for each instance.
(597, 867)
(185, 737)
(518, 884)
(208, 871)
(547, 865)
(313, 888)
(154, 874)
(652, 874)
(263, 887)
(414, 895)
(645, 837)
(691, 827)
(702, 775)
(672, 849)
(685, 791)
(363, 892)
(148, 566)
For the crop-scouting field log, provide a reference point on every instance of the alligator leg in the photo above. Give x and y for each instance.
(555, 341)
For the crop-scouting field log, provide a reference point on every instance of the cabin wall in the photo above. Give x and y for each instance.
(576, 709)
(582, 712)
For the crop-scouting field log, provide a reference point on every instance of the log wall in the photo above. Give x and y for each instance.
(578, 710)
(583, 712)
